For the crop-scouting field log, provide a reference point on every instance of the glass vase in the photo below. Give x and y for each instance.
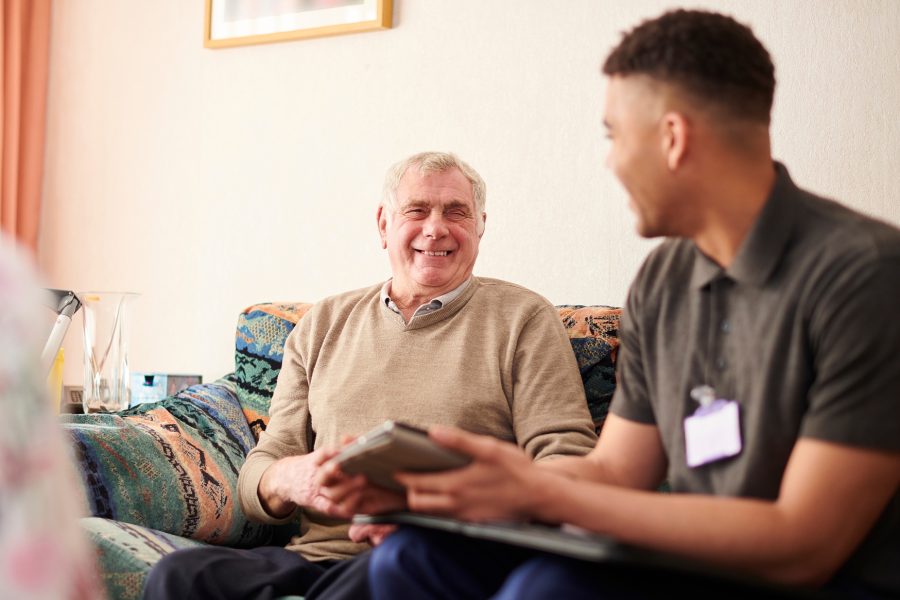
(107, 321)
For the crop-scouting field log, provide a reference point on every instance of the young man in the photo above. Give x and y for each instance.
(768, 307)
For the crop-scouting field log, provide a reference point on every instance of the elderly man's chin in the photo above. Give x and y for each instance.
(438, 277)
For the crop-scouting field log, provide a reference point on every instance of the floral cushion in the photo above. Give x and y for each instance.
(171, 465)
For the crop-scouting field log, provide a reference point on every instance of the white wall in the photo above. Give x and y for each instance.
(209, 180)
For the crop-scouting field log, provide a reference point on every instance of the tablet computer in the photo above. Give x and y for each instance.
(395, 447)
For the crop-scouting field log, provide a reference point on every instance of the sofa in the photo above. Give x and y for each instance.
(163, 476)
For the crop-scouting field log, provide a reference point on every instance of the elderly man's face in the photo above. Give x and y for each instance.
(433, 238)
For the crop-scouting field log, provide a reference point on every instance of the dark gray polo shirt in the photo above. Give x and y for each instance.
(803, 330)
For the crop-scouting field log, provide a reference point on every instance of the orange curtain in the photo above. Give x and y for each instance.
(25, 47)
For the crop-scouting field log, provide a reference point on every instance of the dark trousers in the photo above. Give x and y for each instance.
(215, 573)
(434, 565)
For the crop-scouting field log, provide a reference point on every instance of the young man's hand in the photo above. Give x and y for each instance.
(500, 484)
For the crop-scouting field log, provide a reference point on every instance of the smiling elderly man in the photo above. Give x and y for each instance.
(433, 345)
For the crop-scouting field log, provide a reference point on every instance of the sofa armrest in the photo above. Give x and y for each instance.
(171, 465)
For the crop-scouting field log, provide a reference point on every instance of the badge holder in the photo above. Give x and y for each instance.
(713, 432)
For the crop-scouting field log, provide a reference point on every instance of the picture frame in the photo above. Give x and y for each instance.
(231, 23)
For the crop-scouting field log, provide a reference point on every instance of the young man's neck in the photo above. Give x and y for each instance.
(733, 197)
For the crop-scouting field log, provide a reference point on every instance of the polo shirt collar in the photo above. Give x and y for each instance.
(766, 243)
(705, 269)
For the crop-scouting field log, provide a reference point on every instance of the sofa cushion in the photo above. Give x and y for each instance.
(259, 349)
(593, 333)
(126, 553)
(170, 465)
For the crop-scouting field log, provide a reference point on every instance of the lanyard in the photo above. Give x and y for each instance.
(705, 394)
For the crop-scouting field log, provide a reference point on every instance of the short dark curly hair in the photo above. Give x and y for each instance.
(710, 56)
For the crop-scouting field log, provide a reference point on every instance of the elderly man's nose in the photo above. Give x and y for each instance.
(434, 226)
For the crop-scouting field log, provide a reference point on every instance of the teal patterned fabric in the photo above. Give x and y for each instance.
(171, 466)
(126, 553)
(259, 349)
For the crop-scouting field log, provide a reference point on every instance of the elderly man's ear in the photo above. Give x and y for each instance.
(382, 226)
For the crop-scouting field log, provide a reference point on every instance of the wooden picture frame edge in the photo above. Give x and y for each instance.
(382, 21)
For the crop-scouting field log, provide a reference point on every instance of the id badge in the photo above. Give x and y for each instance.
(712, 433)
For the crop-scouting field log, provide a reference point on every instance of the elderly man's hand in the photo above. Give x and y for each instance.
(355, 495)
(292, 482)
(498, 485)
(367, 532)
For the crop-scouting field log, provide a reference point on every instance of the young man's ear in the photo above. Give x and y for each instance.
(381, 220)
(676, 132)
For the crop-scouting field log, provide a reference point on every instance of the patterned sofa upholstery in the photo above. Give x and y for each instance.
(163, 476)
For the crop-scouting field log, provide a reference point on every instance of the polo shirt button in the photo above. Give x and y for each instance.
(720, 363)
(726, 325)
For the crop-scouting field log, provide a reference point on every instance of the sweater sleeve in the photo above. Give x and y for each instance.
(286, 433)
(549, 409)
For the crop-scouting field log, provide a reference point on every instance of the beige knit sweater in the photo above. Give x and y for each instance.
(494, 361)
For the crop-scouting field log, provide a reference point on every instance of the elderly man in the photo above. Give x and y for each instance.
(433, 345)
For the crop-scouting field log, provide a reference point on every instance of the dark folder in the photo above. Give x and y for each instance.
(582, 545)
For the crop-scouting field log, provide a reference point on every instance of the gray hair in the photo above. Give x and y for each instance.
(432, 163)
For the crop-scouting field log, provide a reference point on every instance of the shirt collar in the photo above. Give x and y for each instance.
(762, 249)
(435, 304)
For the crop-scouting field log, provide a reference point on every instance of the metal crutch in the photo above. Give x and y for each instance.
(65, 304)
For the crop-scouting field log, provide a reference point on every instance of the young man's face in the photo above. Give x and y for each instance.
(634, 108)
